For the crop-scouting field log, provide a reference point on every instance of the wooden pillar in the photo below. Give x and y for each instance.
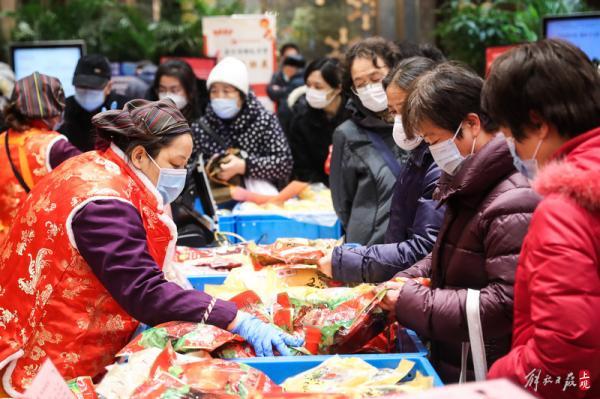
(7, 23)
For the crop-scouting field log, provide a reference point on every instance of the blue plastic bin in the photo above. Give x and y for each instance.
(409, 343)
(265, 229)
(227, 223)
(283, 367)
(198, 282)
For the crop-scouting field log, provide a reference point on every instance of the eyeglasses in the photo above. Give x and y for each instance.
(372, 80)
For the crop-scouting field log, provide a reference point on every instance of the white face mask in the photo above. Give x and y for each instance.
(373, 97)
(400, 136)
(318, 98)
(171, 182)
(179, 100)
(446, 154)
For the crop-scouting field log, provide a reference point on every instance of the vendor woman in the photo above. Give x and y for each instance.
(81, 265)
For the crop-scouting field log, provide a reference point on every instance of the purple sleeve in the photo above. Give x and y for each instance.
(61, 151)
(110, 236)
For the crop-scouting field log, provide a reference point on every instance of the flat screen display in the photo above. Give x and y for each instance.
(583, 30)
(56, 59)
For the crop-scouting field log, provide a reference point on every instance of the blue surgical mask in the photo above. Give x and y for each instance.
(527, 167)
(446, 154)
(89, 99)
(170, 182)
(225, 108)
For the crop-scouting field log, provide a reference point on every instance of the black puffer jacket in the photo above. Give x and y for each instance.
(311, 134)
(254, 130)
(361, 182)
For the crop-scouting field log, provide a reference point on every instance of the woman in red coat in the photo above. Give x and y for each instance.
(546, 97)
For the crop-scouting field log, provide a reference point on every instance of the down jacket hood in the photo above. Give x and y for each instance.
(574, 172)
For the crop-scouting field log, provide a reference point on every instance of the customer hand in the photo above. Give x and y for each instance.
(231, 167)
(393, 288)
(262, 336)
(324, 265)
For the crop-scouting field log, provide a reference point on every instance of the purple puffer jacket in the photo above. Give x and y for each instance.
(489, 206)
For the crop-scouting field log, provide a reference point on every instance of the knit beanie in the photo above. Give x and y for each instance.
(232, 71)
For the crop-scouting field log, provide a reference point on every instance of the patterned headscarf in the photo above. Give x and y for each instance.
(39, 96)
(154, 118)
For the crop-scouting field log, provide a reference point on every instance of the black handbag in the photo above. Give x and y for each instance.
(194, 228)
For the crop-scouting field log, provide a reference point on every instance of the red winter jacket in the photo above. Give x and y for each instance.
(557, 289)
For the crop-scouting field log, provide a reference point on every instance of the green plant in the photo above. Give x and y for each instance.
(120, 32)
(468, 27)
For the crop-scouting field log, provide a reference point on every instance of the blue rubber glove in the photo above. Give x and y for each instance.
(263, 337)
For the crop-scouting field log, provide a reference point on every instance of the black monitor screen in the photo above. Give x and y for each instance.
(583, 30)
(56, 59)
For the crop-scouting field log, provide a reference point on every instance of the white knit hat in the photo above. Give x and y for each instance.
(232, 71)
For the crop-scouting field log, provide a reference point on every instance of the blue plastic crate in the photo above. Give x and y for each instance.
(409, 343)
(283, 367)
(266, 228)
(198, 282)
(227, 223)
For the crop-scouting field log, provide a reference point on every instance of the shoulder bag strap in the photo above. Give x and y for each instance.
(13, 167)
(386, 152)
(475, 339)
(209, 130)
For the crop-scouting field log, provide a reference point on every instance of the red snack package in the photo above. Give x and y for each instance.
(164, 361)
(382, 343)
(283, 313)
(228, 377)
(235, 350)
(165, 386)
(82, 388)
(300, 255)
(312, 338)
(250, 303)
(205, 337)
(158, 336)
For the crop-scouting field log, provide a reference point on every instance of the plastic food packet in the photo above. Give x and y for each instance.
(251, 303)
(283, 313)
(123, 378)
(157, 337)
(82, 388)
(164, 361)
(215, 375)
(383, 343)
(205, 337)
(351, 376)
(235, 350)
(165, 386)
(346, 322)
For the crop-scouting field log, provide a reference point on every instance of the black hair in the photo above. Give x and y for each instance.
(183, 72)
(552, 78)
(330, 69)
(14, 118)
(371, 48)
(410, 49)
(445, 95)
(286, 46)
(407, 71)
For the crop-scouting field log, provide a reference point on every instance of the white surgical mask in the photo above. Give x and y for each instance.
(179, 100)
(400, 136)
(170, 182)
(318, 98)
(446, 154)
(89, 99)
(373, 97)
(225, 108)
(527, 167)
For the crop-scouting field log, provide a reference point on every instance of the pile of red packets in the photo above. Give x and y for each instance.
(219, 258)
(289, 252)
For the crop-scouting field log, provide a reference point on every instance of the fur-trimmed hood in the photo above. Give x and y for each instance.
(576, 173)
